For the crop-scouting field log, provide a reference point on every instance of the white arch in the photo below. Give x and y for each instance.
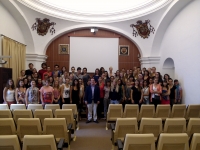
(165, 21)
(82, 26)
(168, 63)
(22, 22)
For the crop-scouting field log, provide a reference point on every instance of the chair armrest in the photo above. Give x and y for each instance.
(69, 126)
(75, 116)
(60, 144)
(112, 125)
(120, 144)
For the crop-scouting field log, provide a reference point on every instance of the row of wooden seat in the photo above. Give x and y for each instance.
(39, 106)
(166, 141)
(125, 126)
(32, 126)
(41, 114)
(148, 111)
(31, 142)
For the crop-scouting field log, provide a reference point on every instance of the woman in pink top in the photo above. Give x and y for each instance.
(155, 90)
(56, 92)
(46, 93)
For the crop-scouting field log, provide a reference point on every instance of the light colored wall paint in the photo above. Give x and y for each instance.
(181, 43)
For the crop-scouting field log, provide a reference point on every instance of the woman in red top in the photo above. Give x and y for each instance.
(155, 90)
(100, 107)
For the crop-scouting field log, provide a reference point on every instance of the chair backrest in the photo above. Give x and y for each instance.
(21, 113)
(4, 106)
(7, 126)
(9, 142)
(195, 143)
(163, 111)
(124, 126)
(17, 106)
(53, 107)
(39, 142)
(28, 126)
(139, 142)
(5, 113)
(33, 107)
(178, 111)
(147, 111)
(71, 106)
(131, 111)
(42, 114)
(57, 127)
(67, 114)
(193, 126)
(193, 111)
(114, 112)
(151, 125)
(175, 125)
(168, 141)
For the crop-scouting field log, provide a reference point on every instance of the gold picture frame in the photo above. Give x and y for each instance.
(124, 50)
(63, 49)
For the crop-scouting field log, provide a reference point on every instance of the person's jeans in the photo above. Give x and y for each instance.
(114, 102)
(106, 102)
(92, 107)
(146, 101)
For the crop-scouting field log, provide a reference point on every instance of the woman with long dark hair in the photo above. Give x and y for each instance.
(100, 105)
(146, 75)
(74, 93)
(96, 75)
(9, 93)
(165, 93)
(20, 92)
(166, 78)
(145, 92)
(136, 93)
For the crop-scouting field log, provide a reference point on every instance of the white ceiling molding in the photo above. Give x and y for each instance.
(99, 16)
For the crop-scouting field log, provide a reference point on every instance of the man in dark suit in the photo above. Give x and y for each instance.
(92, 96)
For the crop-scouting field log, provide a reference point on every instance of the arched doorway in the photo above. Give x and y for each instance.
(168, 67)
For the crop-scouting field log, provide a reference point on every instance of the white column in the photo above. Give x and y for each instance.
(148, 62)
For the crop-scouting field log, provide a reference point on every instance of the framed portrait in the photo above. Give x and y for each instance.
(63, 49)
(124, 50)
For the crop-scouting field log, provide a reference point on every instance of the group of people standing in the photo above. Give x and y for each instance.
(96, 91)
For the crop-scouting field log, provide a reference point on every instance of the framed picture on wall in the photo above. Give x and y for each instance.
(124, 50)
(63, 49)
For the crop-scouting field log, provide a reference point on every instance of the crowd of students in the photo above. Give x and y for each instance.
(131, 86)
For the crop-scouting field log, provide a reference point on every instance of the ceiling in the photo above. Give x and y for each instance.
(93, 11)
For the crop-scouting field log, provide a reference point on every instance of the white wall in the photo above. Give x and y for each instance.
(9, 26)
(181, 43)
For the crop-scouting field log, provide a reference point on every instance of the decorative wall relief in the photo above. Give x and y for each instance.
(42, 26)
(143, 28)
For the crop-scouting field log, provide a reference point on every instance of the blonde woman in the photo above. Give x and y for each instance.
(65, 92)
(81, 95)
(56, 92)
(115, 93)
(110, 71)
